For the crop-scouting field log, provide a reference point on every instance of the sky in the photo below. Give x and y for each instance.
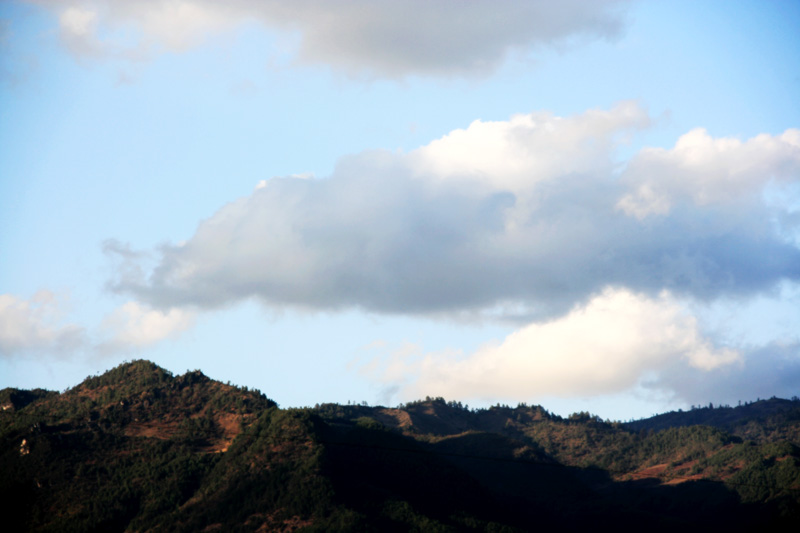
(587, 205)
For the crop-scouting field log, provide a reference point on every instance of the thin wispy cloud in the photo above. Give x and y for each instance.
(362, 37)
(35, 326)
(772, 370)
(40, 327)
(135, 326)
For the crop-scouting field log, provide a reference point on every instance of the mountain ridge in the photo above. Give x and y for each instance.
(188, 453)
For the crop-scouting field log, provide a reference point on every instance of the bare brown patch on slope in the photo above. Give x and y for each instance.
(437, 419)
(273, 524)
(163, 430)
(655, 471)
(231, 426)
(394, 418)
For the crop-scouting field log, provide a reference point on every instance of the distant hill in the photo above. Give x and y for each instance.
(761, 421)
(138, 449)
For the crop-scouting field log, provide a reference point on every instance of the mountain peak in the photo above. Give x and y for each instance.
(139, 449)
(138, 372)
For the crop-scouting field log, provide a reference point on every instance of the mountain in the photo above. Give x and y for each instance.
(761, 421)
(138, 449)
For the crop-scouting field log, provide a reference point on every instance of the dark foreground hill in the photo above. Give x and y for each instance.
(138, 449)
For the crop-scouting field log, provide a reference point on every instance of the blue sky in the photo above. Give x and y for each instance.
(586, 205)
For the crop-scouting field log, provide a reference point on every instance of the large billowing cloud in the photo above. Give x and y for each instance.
(616, 343)
(535, 210)
(610, 344)
(534, 219)
(446, 37)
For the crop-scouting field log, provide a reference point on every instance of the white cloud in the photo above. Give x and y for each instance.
(137, 30)
(134, 325)
(532, 221)
(392, 39)
(181, 24)
(708, 171)
(78, 27)
(607, 346)
(37, 327)
(78, 22)
(34, 326)
(519, 154)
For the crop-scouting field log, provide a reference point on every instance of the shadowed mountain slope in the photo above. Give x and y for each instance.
(138, 449)
(761, 421)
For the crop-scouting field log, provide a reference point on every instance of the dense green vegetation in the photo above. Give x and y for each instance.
(760, 421)
(138, 449)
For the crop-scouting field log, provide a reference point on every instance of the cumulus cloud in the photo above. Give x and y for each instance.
(609, 345)
(533, 221)
(520, 154)
(708, 171)
(34, 327)
(392, 39)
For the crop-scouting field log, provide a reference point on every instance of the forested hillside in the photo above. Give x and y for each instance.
(138, 449)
